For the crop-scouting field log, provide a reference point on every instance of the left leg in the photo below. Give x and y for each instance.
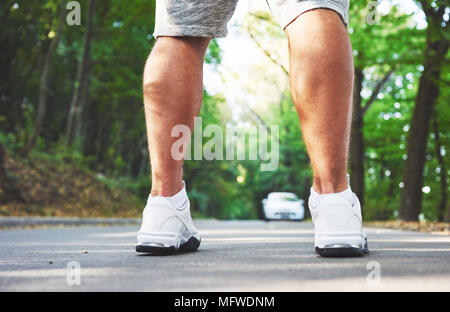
(321, 79)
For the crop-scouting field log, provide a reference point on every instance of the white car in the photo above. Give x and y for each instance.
(283, 206)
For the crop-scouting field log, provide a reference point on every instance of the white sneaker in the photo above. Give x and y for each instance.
(165, 229)
(338, 227)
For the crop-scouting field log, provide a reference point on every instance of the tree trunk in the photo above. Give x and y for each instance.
(428, 93)
(82, 83)
(43, 85)
(357, 140)
(357, 148)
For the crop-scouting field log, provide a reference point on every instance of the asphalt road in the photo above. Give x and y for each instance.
(234, 256)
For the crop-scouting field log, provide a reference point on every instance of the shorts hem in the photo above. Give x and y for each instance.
(290, 13)
(189, 31)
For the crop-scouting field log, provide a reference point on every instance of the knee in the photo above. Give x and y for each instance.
(155, 90)
(168, 60)
(151, 85)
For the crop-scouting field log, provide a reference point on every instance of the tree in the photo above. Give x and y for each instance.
(427, 95)
(43, 86)
(82, 83)
(380, 49)
(357, 149)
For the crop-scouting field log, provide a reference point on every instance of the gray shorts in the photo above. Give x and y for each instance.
(209, 18)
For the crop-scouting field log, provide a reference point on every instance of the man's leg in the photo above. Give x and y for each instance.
(172, 96)
(173, 90)
(321, 79)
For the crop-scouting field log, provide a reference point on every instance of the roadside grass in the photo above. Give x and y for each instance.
(56, 186)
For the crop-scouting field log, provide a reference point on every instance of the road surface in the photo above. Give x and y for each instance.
(234, 256)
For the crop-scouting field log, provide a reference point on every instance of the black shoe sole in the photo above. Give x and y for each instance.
(343, 251)
(191, 245)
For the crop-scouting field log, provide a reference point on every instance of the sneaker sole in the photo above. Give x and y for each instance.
(191, 245)
(343, 250)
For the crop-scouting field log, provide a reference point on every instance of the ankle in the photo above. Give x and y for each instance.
(166, 188)
(328, 185)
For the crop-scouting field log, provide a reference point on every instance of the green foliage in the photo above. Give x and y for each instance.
(213, 55)
(112, 141)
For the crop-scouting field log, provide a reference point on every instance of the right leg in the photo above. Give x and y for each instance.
(173, 92)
